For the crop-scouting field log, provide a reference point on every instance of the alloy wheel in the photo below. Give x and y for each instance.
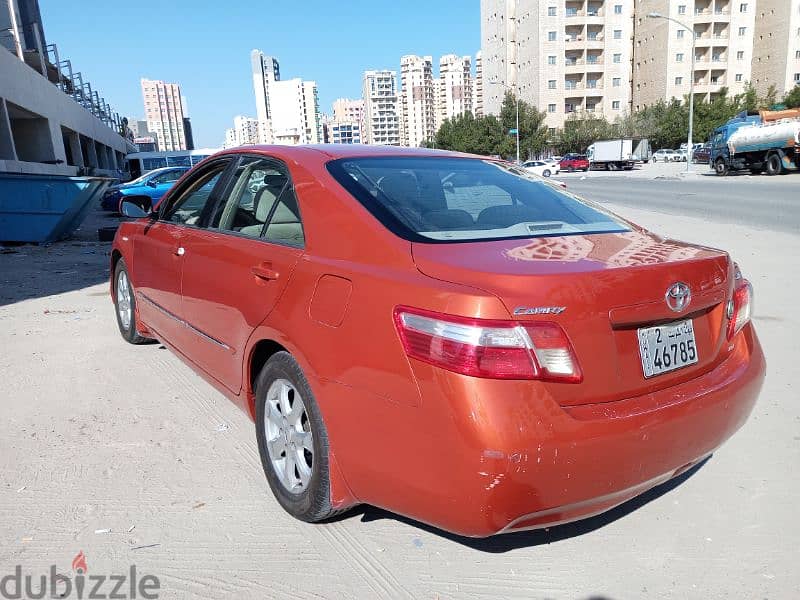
(288, 436)
(124, 305)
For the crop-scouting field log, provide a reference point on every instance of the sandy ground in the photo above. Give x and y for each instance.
(123, 453)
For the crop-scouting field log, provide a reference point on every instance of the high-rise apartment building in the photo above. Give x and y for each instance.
(294, 111)
(454, 88)
(244, 132)
(381, 110)
(417, 100)
(477, 86)
(287, 110)
(776, 45)
(563, 56)
(265, 71)
(347, 124)
(345, 109)
(662, 54)
(164, 110)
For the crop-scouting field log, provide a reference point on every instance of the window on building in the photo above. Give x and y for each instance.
(680, 34)
(618, 9)
(551, 60)
(679, 57)
(797, 54)
(682, 9)
(740, 55)
(616, 82)
(743, 7)
(551, 36)
(551, 84)
(742, 31)
(617, 58)
(551, 108)
(618, 34)
(797, 77)
(738, 77)
(551, 11)
(678, 80)
(615, 105)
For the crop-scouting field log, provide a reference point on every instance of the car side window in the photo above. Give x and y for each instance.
(261, 204)
(167, 177)
(187, 207)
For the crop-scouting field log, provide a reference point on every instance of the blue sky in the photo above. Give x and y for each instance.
(205, 46)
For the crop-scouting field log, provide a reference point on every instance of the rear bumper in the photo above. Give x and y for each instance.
(481, 457)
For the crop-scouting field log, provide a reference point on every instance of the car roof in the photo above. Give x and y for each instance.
(336, 151)
(165, 169)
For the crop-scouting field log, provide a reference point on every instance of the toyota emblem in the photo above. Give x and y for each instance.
(678, 296)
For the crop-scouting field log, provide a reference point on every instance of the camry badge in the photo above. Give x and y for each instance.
(539, 310)
(678, 296)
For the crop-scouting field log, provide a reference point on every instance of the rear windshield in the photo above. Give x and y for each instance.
(433, 199)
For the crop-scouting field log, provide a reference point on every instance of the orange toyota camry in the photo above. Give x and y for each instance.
(442, 335)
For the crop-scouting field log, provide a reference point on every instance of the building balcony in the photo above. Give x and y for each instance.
(574, 66)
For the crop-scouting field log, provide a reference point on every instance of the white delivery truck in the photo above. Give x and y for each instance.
(618, 154)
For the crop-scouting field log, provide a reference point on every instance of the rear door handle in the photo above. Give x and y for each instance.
(265, 271)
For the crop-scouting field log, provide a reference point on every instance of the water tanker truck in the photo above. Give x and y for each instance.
(767, 142)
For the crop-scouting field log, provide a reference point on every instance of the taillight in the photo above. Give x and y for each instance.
(740, 306)
(486, 348)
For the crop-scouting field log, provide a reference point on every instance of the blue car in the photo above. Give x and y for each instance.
(154, 184)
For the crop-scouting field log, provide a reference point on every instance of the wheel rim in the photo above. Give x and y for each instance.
(288, 435)
(124, 308)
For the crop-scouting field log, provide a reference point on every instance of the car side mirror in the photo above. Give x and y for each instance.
(135, 210)
(152, 183)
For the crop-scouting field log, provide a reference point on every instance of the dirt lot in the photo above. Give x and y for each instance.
(123, 453)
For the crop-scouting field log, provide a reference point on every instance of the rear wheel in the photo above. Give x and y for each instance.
(125, 305)
(720, 166)
(774, 164)
(292, 440)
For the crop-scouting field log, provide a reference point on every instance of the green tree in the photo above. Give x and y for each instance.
(532, 129)
(580, 130)
(792, 97)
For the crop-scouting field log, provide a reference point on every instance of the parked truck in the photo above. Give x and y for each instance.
(618, 154)
(765, 142)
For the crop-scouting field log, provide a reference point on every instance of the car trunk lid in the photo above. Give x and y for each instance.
(609, 286)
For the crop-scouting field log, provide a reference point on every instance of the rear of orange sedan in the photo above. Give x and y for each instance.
(488, 352)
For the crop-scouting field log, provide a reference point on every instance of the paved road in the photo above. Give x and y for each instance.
(762, 202)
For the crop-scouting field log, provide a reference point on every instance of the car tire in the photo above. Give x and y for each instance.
(302, 486)
(774, 164)
(546, 173)
(720, 167)
(125, 305)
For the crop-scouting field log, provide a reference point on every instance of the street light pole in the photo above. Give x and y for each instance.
(516, 98)
(655, 15)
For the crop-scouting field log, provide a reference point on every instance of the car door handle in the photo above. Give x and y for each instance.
(265, 271)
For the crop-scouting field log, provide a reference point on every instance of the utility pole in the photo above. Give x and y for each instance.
(655, 15)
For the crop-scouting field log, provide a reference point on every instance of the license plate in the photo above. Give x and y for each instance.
(667, 347)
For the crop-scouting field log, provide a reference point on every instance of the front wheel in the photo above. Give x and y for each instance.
(292, 440)
(125, 305)
(546, 173)
(720, 166)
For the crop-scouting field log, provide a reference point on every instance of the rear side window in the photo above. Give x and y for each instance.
(442, 199)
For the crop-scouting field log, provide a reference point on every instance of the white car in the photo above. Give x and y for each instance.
(542, 167)
(665, 155)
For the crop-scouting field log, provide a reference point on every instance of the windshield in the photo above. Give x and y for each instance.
(464, 199)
